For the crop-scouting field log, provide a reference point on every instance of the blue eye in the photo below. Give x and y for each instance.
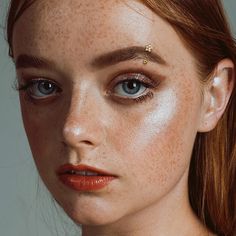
(132, 86)
(39, 89)
(45, 88)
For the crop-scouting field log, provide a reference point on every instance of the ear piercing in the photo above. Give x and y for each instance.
(148, 49)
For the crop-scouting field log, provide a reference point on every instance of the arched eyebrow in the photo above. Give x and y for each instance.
(104, 60)
(125, 54)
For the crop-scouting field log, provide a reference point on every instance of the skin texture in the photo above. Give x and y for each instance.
(146, 144)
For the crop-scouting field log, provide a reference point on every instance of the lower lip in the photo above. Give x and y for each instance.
(86, 183)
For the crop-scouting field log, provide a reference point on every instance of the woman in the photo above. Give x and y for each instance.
(129, 108)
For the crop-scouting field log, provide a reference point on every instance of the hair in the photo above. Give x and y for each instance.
(203, 27)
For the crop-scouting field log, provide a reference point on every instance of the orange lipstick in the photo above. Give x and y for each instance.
(83, 177)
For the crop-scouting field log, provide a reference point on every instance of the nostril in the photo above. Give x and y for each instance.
(87, 142)
(84, 142)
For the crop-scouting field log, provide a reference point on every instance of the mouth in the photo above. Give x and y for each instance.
(83, 173)
(84, 178)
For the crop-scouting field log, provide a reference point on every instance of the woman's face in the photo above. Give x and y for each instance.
(95, 102)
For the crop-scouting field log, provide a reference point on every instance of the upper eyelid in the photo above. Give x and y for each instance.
(32, 81)
(149, 80)
(29, 80)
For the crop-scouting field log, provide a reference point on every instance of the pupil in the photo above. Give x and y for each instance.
(131, 87)
(46, 88)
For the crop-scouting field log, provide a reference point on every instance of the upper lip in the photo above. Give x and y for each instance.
(64, 169)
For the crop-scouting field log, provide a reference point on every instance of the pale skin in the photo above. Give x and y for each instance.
(90, 120)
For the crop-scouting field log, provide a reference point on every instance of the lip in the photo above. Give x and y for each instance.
(83, 182)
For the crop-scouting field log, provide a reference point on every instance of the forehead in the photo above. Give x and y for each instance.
(79, 27)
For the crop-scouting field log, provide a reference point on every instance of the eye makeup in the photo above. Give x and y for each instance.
(39, 89)
(129, 87)
(126, 87)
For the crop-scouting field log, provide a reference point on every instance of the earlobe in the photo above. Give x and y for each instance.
(216, 95)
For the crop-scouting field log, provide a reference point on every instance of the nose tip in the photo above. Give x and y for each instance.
(79, 132)
(76, 136)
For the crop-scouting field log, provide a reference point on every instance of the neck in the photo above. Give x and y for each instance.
(172, 215)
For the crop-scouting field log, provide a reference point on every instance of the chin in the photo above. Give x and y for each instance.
(92, 218)
(92, 212)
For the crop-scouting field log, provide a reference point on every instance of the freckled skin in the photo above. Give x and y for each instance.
(148, 145)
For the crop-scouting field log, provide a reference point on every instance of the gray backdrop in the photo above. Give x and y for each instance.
(25, 208)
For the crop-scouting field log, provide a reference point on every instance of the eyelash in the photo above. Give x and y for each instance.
(36, 81)
(143, 98)
(140, 78)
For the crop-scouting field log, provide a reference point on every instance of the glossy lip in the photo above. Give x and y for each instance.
(84, 183)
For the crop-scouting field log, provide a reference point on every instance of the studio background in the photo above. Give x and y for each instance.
(25, 208)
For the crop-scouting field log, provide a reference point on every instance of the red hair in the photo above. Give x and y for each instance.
(203, 27)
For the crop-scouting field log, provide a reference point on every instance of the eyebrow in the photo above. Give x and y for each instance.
(30, 61)
(104, 60)
(125, 54)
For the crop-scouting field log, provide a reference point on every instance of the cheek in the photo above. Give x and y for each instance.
(157, 144)
(42, 133)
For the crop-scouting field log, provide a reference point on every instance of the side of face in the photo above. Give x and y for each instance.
(90, 119)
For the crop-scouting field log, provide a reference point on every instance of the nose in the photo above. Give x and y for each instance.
(84, 126)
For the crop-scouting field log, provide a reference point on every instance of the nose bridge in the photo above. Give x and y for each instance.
(83, 124)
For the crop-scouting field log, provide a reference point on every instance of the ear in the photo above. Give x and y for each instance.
(216, 95)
